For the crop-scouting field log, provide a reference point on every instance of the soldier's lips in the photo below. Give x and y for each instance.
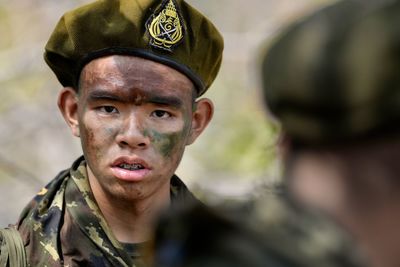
(130, 169)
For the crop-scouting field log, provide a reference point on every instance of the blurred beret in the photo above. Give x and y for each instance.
(334, 75)
(170, 32)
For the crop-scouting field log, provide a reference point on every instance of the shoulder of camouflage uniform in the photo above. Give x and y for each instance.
(306, 236)
(267, 232)
(200, 236)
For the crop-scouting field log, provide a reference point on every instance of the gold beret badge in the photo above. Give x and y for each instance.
(165, 28)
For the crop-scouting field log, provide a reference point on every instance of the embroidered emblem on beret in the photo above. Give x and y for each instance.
(165, 28)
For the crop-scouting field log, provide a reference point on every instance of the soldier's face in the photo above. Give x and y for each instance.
(134, 118)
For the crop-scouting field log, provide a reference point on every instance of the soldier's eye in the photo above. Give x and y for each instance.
(161, 114)
(108, 109)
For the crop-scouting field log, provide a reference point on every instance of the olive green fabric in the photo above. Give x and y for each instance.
(124, 27)
(63, 225)
(335, 74)
(12, 251)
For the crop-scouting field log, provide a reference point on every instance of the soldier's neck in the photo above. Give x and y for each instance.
(131, 220)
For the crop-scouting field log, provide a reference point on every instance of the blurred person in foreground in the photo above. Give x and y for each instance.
(268, 232)
(333, 83)
(132, 72)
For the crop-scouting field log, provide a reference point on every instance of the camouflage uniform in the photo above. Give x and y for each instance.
(63, 226)
(270, 231)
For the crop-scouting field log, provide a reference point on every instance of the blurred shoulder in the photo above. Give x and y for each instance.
(304, 235)
(267, 231)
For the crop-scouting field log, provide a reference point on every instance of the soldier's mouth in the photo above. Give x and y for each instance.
(131, 167)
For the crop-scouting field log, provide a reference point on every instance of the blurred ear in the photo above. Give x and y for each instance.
(200, 119)
(68, 105)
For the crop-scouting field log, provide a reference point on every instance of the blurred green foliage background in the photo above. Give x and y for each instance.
(235, 155)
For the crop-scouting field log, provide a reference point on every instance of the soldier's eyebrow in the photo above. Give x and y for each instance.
(171, 101)
(104, 95)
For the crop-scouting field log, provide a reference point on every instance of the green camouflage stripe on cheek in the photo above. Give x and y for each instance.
(165, 143)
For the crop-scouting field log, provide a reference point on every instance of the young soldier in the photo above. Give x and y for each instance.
(332, 80)
(131, 71)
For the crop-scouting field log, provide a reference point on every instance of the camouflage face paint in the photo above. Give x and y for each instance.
(111, 131)
(165, 143)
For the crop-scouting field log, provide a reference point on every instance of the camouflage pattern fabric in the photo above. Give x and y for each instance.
(305, 236)
(267, 232)
(63, 226)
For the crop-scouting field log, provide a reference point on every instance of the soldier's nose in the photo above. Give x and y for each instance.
(131, 134)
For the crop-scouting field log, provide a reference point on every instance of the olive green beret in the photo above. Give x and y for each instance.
(170, 32)
(335, 75)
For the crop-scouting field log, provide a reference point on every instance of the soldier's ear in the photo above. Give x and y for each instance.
(202, 115)
(68, 105)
